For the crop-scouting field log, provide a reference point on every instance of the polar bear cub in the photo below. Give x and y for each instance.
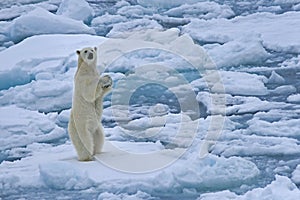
(85, 128)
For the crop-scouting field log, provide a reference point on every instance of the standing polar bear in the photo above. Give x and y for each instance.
(85, 128)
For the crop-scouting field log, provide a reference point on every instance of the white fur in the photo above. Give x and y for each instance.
(85, 128)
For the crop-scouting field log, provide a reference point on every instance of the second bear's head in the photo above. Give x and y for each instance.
(87, 55)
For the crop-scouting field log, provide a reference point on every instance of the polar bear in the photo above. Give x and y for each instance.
(85, 128)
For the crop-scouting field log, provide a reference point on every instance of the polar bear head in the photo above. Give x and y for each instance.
(87, 55)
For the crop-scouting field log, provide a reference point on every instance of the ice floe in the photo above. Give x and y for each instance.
(281, 188)
(33, 23)
(78, 10)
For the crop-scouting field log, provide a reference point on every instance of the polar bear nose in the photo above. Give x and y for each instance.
(90, 56)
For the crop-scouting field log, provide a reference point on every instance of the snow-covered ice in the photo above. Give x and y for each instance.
(40, 21)
(205, 103)
(263, 25)
(202, 10)
(78, 10)
(281, 188)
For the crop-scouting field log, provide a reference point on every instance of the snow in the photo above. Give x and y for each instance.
(244, 51)
(163, 4)
(78, 10)
(296, 175)
(134, 11)
(18, 10)
(33, 23)
(281, 128)
(201, 10)
(73, 178)
(205, 101)
(61, 171)
(138, 196)
(19, 59)
(104, 23)
(239, 83)
(285, 89)
(21, 127)
(122, 29)
(294, 98)
(263, 25)
(276, 78)
(281, 188)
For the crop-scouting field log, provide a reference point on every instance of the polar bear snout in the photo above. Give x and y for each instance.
(90, 56)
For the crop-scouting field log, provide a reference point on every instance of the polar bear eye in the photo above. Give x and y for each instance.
(85, 51)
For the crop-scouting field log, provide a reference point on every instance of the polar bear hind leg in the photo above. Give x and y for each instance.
(98, 140)
(82, 152)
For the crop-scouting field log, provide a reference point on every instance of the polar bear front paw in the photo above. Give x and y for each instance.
(106, 81)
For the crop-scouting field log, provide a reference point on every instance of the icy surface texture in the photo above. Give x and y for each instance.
(205, 104)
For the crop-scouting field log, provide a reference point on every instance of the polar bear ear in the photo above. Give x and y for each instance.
(78, 52)
(95, 48)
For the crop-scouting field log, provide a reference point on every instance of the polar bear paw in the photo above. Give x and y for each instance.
(106, 81)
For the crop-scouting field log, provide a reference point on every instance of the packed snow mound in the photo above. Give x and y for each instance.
(78, 10)
(281, 188)
(40, 21)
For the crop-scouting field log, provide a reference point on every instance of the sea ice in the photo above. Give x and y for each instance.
(19, 9)
(294, 98)
(33, 23)
(22, 127)
(276, 78)
(37, 75)
(137, 196)
(122, 29)
(296, 175)
(243, 51)
(201, 10)
(282, 128)
(243, 143)
(21, 64)
(264, 25)
(135, 11)
(284, 89)
(78, 10)
(240, 83)
(104, 23)
(161, 4)
(72, 179)
(281, 188)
